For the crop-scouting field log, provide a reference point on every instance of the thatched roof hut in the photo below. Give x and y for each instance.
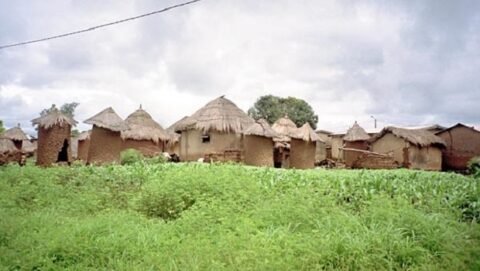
(261, 128)
(105, 139)
(85, 135)
(356, 133)
(463, 143)
(306, 133)
(141, 126)
(418, 137)
(181, 124)
(83, 145)
(54, 138)
(6, 145)
(29, 147)
(8, 152)
(303, 147)
(285, 128)
(144, 134)
(14, 133)
(220, 115)
(108, 119)
(258, 143)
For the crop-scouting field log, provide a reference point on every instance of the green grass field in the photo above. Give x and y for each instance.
(230, 217)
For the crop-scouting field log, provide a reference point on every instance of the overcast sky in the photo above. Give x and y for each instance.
(404, 62)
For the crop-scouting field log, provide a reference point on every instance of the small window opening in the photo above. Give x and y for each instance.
(205, 138)
(63, 154)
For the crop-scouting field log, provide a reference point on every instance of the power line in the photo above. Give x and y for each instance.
(98, 26)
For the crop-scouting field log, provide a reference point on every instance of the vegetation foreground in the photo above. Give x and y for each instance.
(215, 217)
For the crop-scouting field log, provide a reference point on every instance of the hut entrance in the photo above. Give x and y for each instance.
(63, 154)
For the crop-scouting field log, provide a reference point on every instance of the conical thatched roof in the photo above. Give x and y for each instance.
(55, 117)
(108, 119)
(6, 145)
(306, 133)
(141, 126)
(220, 115)
(285, 127)
(179, 125)
(14, 133)
(419, 137)
(261, 128)
(356, 133)
(85, 135)
(28, 146)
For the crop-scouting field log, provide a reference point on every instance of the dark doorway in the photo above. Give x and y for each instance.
(277, 158)
(63, 154)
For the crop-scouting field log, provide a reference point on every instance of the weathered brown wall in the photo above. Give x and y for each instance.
(320, 152)
(351, 156)
(82, 153)
(50, 143)
(105, 146)
(375, 161)
(302, 154)
(462, 145)
(173, 148)
(258, 151)
(427, 158)
(192, 148)
(147, 147)
(390, 144)
(337, 142)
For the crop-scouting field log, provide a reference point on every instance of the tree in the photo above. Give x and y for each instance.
(271, 108)
(2, 129)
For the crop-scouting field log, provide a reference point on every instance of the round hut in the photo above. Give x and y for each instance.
(83, 145)
(8, 152)
(173, 146)
(214, 132)
(144, 134)
(105, 139)
(16, 135)
(258, 144)
(54, 138)
(303, 148)
(356, 138)
(285, 128)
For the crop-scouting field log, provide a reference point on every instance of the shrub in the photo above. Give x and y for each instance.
(474, 166)
(159, 159)
(130, 156)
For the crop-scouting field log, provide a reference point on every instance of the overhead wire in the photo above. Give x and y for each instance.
(98, 26)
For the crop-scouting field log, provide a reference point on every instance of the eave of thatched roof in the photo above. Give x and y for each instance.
(141, 126)
(418, 137)
(85, 135)
(356, 133)
(220, 115)
(28, 146)
(6, 145)
(54, 118)
(457, 126)
(261, 128)
(179, 125)
(108, 119)
(14, 133)
(285, 127)
(306, 133)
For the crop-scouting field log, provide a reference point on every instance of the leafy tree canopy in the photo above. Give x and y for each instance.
(271, 108)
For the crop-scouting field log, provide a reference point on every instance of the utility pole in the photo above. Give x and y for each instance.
(374, 122)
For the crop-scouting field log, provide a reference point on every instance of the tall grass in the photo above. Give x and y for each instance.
(229, 217)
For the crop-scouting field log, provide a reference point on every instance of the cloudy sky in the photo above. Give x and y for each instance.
(404, 62)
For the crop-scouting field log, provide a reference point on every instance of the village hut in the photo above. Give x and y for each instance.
(54, 144)
(144, 134)
(214, 131)
(324, 146)
(29, 148)
(259, 145)
(415, 149)
(173, 146)
(83, 145)
(462, 144)
(9, 152)
(105, 139)
(303, 147)
(16, 135)
(285, 128)
(356, 138)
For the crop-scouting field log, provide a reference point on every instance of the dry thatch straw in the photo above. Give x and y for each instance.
(220, 115)
(28, 146)
(14, 133)
(141, 126)
(109, 120)
(261, 128)
(306, 133)
(356, 133)
(7, 146)
(285, 128)
(85, 135)
(419, 137)
(179, 125)
(54, 118)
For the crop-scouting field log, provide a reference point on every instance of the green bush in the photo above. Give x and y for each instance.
(474, 166)
(130, 156)
(159, 159)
